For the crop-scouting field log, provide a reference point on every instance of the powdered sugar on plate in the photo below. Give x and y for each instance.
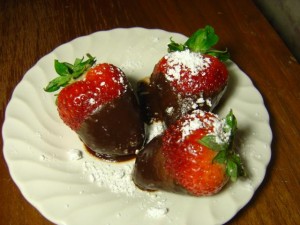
(115, 177)
(74, 154)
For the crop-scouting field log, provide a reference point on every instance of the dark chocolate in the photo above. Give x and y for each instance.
(161, 102)
(149, 173)
(116, 129)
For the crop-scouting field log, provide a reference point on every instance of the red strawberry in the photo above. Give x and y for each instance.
(191, 73)
(100, 106)
(102, 83)
(193, 156)
(189, 77)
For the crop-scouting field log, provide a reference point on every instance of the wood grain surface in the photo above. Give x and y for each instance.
(31, 29)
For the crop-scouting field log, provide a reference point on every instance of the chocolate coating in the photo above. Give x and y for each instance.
(160, 102)
(149, 172)
(116, 129)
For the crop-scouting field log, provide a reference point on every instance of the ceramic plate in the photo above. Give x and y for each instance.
(43, 154)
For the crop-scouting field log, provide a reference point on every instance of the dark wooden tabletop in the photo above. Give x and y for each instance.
(31, 29)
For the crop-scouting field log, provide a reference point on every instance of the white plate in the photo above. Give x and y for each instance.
(88, 191)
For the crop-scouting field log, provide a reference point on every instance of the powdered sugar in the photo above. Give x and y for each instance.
(185, 61)
(208, 102)
(117, 178)
(109, 175)
(157, 211)
(200, 100)
(92, 101)
(154, 129)
(130, 66)
(170, 110)
(219, 133)
(74, 154)
(156, 206)
(193, 122)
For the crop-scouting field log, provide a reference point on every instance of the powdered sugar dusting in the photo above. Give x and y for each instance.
(156, 206)
(154, 129)
(219, 131)
(170, 110)
(74, 154)
(92, 101)
(116, 178)
(188, 126)
(185, 61)
(194, 122)
(130, 66)
(157, 211)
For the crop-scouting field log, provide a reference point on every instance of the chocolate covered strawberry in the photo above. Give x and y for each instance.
(98, 103)
(193, 156)
(191, 76)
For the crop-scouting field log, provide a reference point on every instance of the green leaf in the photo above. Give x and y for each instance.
(78, 61)
(240, 167)
(222, 55)
(58, 82)
(78, 72)
(231, 123)
(202, 40)
(60, 68)
(70, 66)
(221, 157)
(173, 46)
(211, 142)
(80, 66)
(68, 72)
(232, 170)
(226, 154)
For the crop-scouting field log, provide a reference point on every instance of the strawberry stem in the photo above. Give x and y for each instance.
(201, 41)
(68, 72)
(226, 154)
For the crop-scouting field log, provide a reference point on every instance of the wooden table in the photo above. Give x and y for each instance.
(31, 29)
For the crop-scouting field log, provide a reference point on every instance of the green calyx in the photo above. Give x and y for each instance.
(226, 154)
(68, 72)
(201, 41)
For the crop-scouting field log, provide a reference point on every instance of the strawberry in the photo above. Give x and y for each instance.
(102, 84)
(191, 73)
(193, 156)
(189, 77)
(98, 103)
